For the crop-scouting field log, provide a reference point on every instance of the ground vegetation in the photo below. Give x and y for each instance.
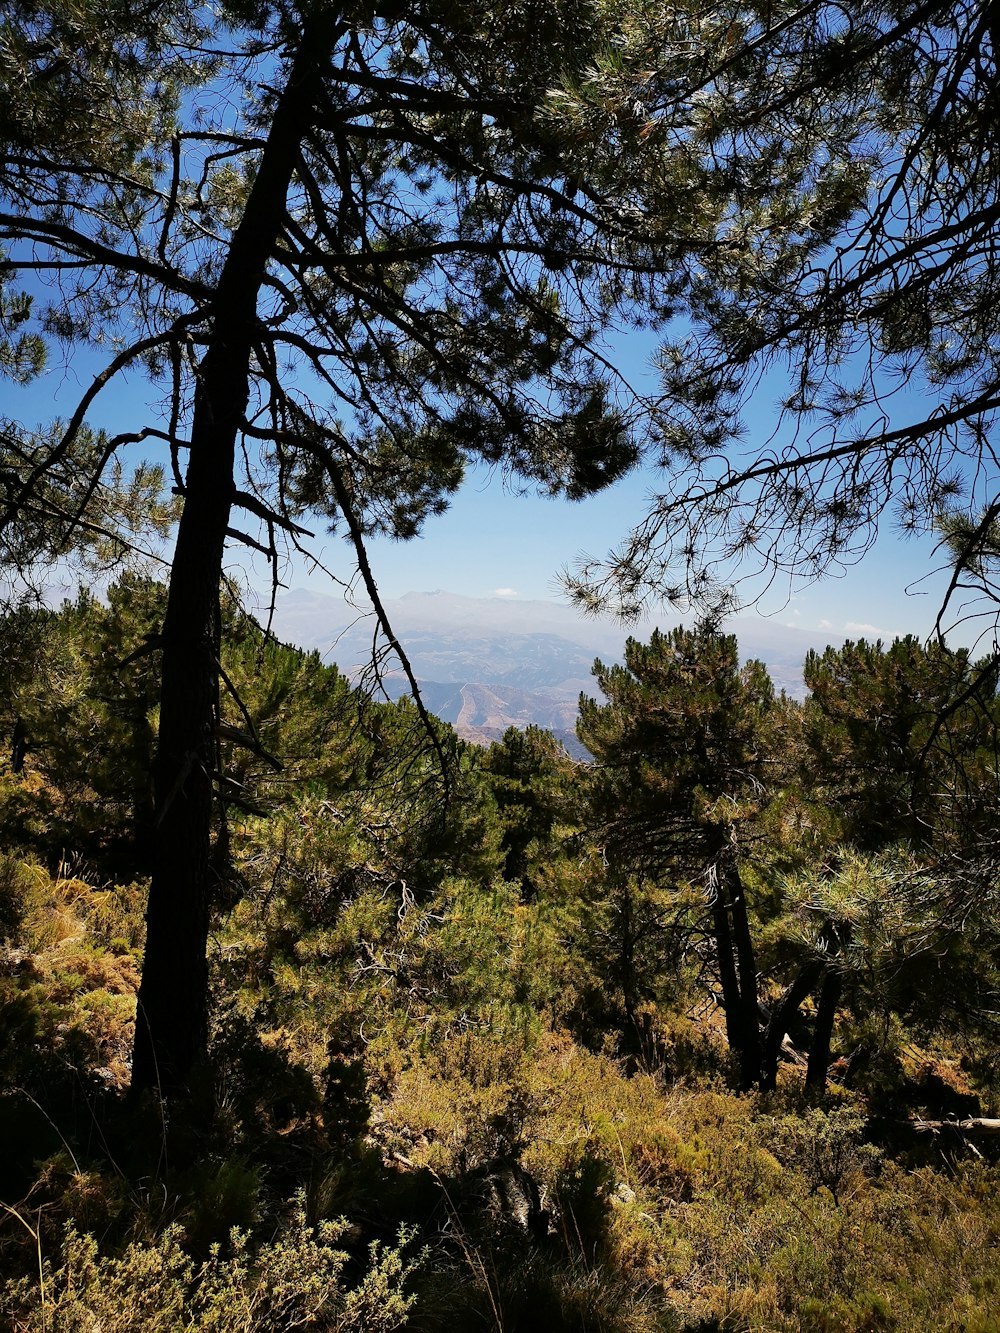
(462, 1074)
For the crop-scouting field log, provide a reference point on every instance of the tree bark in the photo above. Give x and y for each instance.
(737, 964)
(750, 1050)
(785, 1010)
(172, 1014)
(728, 979)
(975, 1125)
(826, 1009)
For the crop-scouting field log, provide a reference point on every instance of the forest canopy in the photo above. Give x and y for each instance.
(856, 295)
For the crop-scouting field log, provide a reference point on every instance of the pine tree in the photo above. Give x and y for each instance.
(530, 776)
(900, 742)
(681, 767)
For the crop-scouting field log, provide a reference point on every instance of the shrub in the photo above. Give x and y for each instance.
(294, 1281)
(824, 1146)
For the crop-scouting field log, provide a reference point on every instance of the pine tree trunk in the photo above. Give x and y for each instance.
(172, 1015)
(781, 1018)
(737, 964)
(826, 1009)
(750, 1051)
(728, 979)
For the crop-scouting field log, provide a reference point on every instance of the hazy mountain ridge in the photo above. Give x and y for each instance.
(527, 661)
(485, 664)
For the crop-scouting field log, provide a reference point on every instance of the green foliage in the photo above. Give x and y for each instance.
(824, 1145)
(679, 747)
(406, 1033)
(532, 781)
(900, 740)
(89, 716)
(685, 763)
(907, 941)
(22, 356)
(863, 328)
(84, 683)
(127, 515)
(294, 1281)
(67, 990)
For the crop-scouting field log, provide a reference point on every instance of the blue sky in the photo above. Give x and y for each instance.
(494, 542)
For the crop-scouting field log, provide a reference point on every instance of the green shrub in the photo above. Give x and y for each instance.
(294, 1281)
(825, 1146)
(15, 884)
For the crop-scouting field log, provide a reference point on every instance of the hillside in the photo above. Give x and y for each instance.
(486, 664)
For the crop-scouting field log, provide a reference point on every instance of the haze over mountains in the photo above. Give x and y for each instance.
(485, 664)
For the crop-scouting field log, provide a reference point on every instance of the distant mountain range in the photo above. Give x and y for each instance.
(486, 664)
